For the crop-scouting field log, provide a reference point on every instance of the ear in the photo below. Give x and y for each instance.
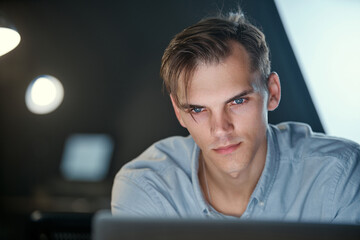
(177, 111)
(274, 90)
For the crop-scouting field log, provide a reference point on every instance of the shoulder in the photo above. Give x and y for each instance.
(161, 164)
(299, 146)
(298, 141)
(149, 184)
(326, 168)
(169, 152)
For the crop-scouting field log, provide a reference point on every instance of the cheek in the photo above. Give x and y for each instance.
(200, 118)
(199, 130)
(252, 110)
(200, 137)
(193, 120)
(250, 118)
(196, 122)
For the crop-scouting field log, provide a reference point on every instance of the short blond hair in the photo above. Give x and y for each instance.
(209, 41)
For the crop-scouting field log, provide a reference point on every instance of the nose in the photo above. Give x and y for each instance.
(221, 124)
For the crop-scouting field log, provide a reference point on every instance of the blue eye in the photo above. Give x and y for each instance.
(239, 101)
(197, 110)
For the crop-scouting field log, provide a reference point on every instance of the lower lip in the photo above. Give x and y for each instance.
(227, 150)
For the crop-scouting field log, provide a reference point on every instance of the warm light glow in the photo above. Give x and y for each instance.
(43, 91)
(9, 39)
(44, 94)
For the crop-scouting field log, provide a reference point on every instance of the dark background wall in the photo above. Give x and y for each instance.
(107, 55)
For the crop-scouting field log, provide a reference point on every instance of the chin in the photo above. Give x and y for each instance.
(236, 171)
(234, 174)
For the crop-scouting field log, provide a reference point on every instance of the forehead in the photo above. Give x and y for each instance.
(229, 76)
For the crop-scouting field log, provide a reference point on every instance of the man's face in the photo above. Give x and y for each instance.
(226, 113)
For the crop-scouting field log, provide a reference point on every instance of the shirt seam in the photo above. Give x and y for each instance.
(348, 151)
(342, 172)
(276, 164)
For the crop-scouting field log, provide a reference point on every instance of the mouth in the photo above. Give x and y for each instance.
(227, 149)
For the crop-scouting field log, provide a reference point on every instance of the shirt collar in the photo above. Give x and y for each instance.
(269, 173)
(195, 180)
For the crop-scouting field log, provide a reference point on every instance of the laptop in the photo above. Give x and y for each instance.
(108, 227)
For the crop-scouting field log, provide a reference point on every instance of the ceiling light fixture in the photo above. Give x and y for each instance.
(9, 37)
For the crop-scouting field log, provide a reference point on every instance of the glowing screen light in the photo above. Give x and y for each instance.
(9, 39)
(87, 157)
(44, 94)
(325, 37)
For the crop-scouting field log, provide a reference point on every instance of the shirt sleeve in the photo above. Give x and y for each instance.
(132, 199)
(347, 197)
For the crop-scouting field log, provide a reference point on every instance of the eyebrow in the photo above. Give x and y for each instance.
(240, 95)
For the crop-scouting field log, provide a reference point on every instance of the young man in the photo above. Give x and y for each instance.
(234, 164)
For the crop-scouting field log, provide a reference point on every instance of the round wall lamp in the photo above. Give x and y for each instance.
(44, 94)
(9, 37)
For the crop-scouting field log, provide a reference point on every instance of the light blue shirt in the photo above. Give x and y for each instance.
(307, 177)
